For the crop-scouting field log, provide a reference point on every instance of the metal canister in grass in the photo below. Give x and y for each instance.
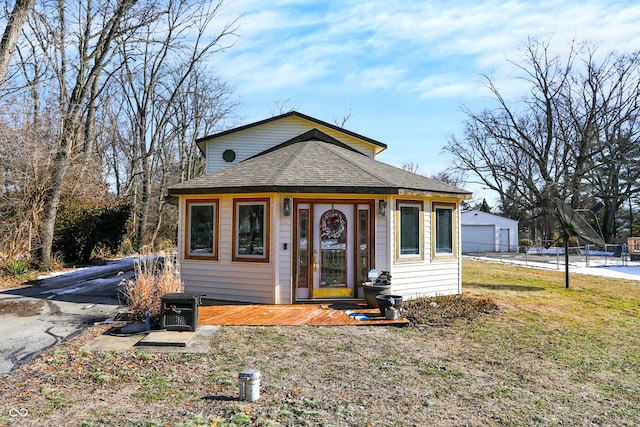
(391, 313)
(249, 384)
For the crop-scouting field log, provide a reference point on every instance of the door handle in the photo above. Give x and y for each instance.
(315, 263)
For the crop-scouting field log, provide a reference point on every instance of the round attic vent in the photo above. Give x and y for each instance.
(229, 156)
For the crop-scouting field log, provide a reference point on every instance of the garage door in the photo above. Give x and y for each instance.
(478, 238)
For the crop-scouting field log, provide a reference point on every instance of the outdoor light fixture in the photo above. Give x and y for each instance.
(286, 206)
(382, 207)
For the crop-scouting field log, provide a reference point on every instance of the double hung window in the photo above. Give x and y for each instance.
(201, 237)
(251, 230)
(410, 229)
(443, 229)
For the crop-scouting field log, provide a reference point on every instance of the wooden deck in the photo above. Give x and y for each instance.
(297, 314)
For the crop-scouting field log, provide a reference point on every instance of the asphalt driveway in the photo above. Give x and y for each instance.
(36, 317)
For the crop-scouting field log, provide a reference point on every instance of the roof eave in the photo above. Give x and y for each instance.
(201, 145)
(283, 189)
(318, 189)
(462, 195)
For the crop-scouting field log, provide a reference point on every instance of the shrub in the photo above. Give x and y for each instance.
(126, 247)
(15, 268)
(524, 244)
(82, 228)
(154, 277)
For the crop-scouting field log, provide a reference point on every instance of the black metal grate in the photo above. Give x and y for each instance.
(180, 312)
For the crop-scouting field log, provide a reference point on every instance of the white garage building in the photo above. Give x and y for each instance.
(485, 232)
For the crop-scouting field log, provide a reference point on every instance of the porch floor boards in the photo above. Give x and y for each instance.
(315, 314)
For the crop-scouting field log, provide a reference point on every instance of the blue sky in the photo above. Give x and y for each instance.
(401, 69)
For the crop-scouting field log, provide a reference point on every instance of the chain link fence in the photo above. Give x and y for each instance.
(553, 257)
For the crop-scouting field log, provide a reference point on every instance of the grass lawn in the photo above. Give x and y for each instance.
(550, 356)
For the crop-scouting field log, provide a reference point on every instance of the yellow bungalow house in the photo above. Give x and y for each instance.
(294, 209)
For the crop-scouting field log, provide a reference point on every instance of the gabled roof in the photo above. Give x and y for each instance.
(311, 135)
(201, 141)
(478, 217)
(314, 164)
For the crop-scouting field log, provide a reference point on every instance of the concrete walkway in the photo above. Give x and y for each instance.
(157, 341)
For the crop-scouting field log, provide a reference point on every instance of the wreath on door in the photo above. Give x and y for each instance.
(332, 224)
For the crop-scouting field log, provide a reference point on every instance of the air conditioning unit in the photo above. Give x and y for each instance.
(180, 312)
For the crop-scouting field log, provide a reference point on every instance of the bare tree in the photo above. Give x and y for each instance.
(113, 87)
(542, 148)
(342, 121)
(97, 29)
(153, 78)
(202, 107)
(281, 107)
(614, 171)
(23, 177)
(518, 152)
(410, 166)
(449, 176)
(12, 31)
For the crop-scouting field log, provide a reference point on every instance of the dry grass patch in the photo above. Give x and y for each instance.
(549, 357)
(590, 300)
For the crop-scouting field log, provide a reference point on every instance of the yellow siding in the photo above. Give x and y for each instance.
(383, 245)
(425, 279)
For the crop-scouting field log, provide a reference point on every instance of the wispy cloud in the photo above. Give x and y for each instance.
(377, 77)
(289, 43)
(414, 58)
(447, 86)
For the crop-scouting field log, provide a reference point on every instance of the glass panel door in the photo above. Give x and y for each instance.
(303, 249)
(333, 250)
(363, 244)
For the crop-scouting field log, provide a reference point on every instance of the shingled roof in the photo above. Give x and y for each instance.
(316, 165)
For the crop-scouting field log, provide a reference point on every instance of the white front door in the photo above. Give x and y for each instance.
(504, 240)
